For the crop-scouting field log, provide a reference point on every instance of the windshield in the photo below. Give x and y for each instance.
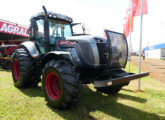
(59, 29)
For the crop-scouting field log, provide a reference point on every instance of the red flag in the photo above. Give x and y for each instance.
(136, 7)
(136, 11)
(126, 29)
(128, 23)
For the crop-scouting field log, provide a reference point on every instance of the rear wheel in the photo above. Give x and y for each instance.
(23, 69)
(60, 84)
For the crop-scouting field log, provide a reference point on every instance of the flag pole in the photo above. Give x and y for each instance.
(130, 38)
(140, 45)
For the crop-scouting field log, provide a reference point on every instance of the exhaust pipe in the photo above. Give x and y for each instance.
(45, 11)
(46, 30)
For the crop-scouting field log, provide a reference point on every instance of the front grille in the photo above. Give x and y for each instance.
(103, 52)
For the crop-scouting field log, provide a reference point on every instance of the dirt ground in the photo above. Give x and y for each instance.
(156, 67)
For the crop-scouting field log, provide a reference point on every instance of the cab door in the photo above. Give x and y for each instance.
(37, 34)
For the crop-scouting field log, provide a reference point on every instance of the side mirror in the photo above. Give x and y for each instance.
(78, 29)
(83, 27)
(34, 25)
(32, 29)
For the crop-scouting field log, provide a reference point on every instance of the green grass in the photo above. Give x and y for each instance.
(29, 104)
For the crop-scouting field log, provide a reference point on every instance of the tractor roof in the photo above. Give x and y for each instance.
(55, 16)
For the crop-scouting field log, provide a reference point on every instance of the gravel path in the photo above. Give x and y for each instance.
(156, 67)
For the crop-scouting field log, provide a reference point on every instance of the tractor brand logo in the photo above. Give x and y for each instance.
(12, 29)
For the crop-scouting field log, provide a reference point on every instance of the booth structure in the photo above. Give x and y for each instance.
(155, 51)
(11, 35)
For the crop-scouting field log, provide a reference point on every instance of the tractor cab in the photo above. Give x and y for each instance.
(48, 28)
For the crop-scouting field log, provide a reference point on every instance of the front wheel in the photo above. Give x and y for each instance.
(60, 84)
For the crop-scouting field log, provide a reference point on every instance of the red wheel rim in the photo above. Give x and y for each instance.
(53, 86)
(16, 69)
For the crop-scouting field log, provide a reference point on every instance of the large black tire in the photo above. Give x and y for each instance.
(110, 89)
(24, 69)
(60, 83)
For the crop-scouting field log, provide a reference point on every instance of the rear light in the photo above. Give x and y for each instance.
(64, 42)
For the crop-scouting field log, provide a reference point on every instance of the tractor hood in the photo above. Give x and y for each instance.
(82, 38)
(112, 51)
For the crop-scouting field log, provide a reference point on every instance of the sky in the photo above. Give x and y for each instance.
(95, 14)
(153, 29)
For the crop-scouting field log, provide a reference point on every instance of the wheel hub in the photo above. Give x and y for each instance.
(53, 86)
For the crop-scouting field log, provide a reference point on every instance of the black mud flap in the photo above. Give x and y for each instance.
(123, 77)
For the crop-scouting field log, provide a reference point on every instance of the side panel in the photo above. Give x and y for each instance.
(118, 52)
(88, 52)
(86, 49)
(30, 46)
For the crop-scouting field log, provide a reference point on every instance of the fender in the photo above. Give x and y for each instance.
(55, 55)
(30, 46)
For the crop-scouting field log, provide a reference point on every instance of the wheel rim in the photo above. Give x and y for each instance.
(53, 86)
(16, 69)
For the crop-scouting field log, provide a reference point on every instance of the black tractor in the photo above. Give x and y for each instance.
(64, 58)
